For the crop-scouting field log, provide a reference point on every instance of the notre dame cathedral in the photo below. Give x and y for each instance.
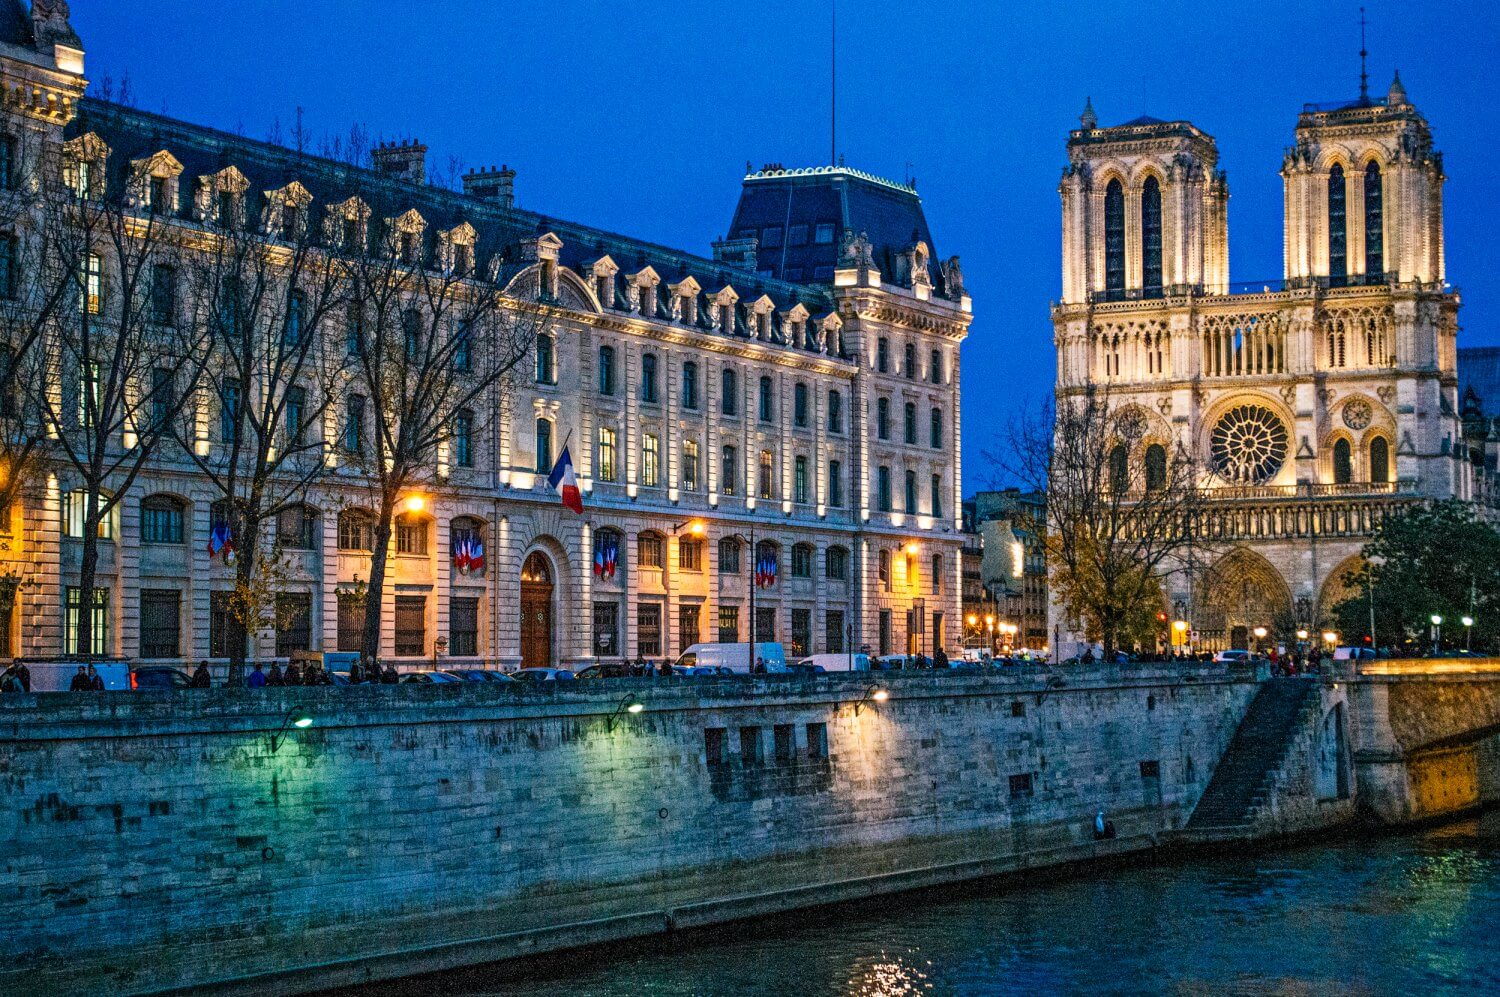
(1315, 405)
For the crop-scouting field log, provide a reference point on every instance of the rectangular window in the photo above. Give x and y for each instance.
(463, 350)
(351, 623)
(161, 623)
(729, 472)
(411, 625)
(99, 619)
(835, 412)
(690, 555)
(796, 235)
(883, 418)
(1020, 786)
(226, 209)
(606, 454)
(765, 623)
(833, 631)
(293, 623)
(937, 628)
(157, 197)
(688, 622)
(163, 399)
(823, 234)
(606, 370)
(817, 740)
(229, 411)
(799, 405)
(690, 465)
(802, 558)
(883, 488)
(354, 330)
(296, 415)
(729, 557)
(8, 172)
(297, 528)
(91, 300)
(911, 492)
(10, 259)
(75, 510)
(650, 461)
(885, 632)
(801, 632)
(729, 624)
(936, 497)
(716, 746)
(649, 551)
(463, 626)
(607, 629)
(463, 439)
(411, 537)
(690, 385)
(799, 479)
(163, 294)
(648, 630)
(937, 574)
(354, 424)
(935, 367)
(836, 564)
(222, 626)
(770, 237)
(785, 737)
(936, 429)
(767, 481)
(836, 484)
(1151, 770)
(885, 570)
(88, 393)
(752, 752)
(161, 522)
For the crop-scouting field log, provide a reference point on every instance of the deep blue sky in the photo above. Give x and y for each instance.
(640, 117)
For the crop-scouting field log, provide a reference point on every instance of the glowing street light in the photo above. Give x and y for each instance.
(1260, 633)
(1468, 622)
(874, 694)
(296, 717)
(1302, 633)
(416, 503)
(1330, 638)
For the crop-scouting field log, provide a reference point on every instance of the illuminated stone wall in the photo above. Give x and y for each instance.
(158, 841)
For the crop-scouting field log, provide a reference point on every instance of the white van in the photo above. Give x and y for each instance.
(735, 657)
(837, 662)
(57, 676)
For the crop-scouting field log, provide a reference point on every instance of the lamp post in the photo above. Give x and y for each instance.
(1437, 632)
(1468, 622)
(750, 662)
(1260, 638)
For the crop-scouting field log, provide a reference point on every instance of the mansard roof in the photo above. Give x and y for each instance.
(777, 200)
(132, 134)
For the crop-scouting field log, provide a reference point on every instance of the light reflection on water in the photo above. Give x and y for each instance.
(1417, 914)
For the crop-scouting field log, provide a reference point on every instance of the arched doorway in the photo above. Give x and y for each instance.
(536, 612)
(1243, 591)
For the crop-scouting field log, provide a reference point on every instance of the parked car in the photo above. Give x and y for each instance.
(735, 657)
(702, 671)
(543, 675)
(607, 670)
(891, 663)
(1233, 654)
(478, 675)
(57, 676)
(428, 678)
(159, 677)
(838, 662)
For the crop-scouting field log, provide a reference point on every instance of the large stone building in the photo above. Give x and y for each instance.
(1314, 404)
(799, 386)
(1005, 579)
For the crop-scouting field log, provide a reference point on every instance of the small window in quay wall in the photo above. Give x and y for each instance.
(715, 746)
(1151, 770)
(817, 740)
(1020, 786)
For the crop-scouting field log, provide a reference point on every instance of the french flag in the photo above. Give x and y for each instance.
(565, 483)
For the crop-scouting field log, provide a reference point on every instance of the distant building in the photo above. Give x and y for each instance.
(1005, 567)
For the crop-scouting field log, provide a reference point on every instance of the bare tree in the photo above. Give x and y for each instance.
(116, 367)
(271, 292)
(432, 342)
(1122, 503)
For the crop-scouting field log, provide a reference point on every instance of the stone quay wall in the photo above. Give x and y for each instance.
(158, 842)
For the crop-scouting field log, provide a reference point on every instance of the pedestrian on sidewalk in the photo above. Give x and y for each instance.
(257, 679)
(80, 681)
(96, 681)
(201, 678)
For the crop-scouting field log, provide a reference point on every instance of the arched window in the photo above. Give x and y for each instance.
(411, 534)
(609, 559)
(544, 446)
(648, 378)
(297, 528)
(767, 564)
(356, 531)
(1338, 234)
(766, 407)
(1114, 241)
(937, 429)
(1156, 467)
(1119, 468)
(161, 519)
(1343, 466)
(836, 564)
(466, 543)
(729, 393)
(1374, 222)
(1151, 238)
(911, 423)
(1380, 460)
(650, 550)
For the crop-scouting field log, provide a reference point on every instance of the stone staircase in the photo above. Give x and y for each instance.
(1241, 783)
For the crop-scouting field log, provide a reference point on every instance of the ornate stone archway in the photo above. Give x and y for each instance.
(1239, 593)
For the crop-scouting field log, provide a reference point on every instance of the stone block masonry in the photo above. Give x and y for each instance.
(157, 842)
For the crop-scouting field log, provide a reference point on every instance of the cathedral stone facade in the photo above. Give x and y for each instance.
(798, 386)
(1313, 405)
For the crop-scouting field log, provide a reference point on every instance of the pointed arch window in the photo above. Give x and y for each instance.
(1338, 235)
(1343, 465)
(1114, 241)
(1119, 470)
(1156, 467)
(1151, 238)
(1380, 460)
(1374, 223)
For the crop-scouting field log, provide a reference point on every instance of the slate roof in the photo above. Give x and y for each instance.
(135, 134)
(1144, 119)
(783, 208)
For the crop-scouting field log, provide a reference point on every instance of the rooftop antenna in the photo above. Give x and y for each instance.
(1364, 77)
(833, 80)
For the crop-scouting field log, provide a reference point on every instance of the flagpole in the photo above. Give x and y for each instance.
(750, 662)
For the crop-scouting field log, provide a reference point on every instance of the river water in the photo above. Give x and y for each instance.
(1413, 914)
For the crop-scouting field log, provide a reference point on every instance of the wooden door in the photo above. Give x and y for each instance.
(536, 613)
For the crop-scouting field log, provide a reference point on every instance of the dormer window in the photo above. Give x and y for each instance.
(602, 287)
(83, 166)
(291, 222)
(351, 237)
(409, 248)
(228, 209)
(687, 308)
(159, 195)
(463, 260)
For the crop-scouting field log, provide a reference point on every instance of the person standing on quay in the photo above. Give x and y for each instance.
(201, 678)
(96, 681)
(257, 679)
(80, 681)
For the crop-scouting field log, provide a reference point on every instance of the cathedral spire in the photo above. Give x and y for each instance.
(1364, 76)
(1088, 119)
(1396, 96)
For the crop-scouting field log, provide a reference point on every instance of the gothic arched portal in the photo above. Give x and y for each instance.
(1239, 593)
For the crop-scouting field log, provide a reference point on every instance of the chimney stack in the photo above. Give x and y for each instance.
(498, 186)
(401, 161)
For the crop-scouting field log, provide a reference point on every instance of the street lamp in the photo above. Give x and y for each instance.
(295, 718)
(630, 704)
(416, 503)
(1302, 633)
(695, 527)
(874, 694)
(1437, 632)
(1468, 622)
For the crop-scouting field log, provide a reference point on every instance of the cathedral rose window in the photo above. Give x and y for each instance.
(1248, 445)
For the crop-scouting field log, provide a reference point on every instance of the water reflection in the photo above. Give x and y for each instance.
(1412, 914)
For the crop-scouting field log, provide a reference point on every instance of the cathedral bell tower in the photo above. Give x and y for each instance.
(1145, 211)
(1364, 194)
